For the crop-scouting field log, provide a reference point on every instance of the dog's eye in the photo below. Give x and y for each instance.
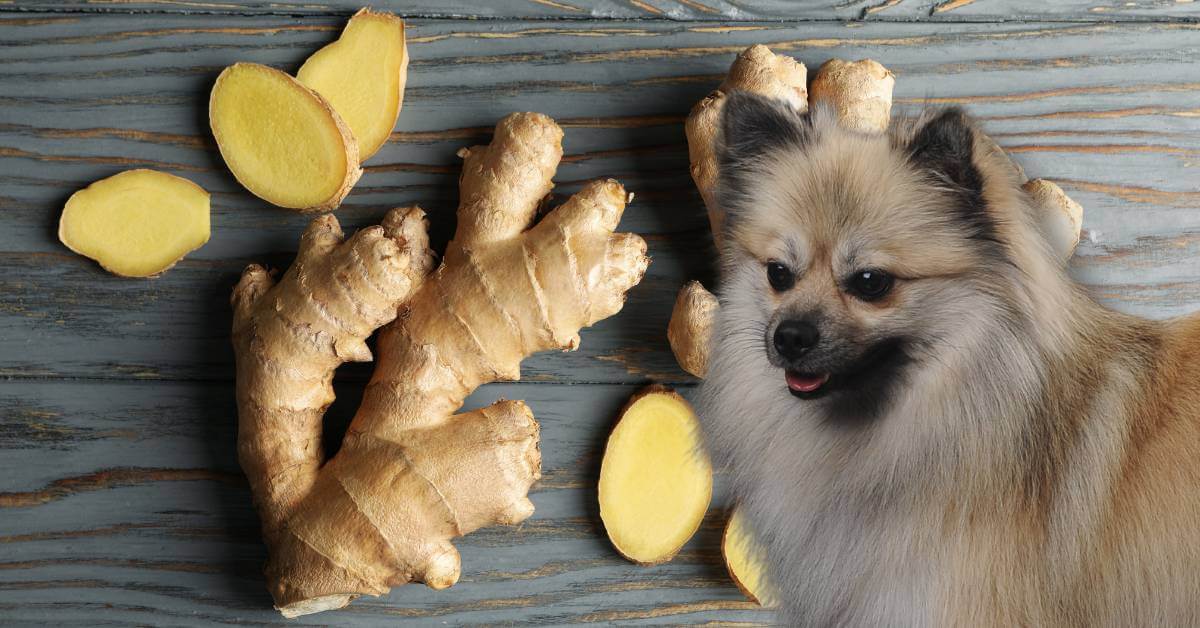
(869, 285)
(780, 277)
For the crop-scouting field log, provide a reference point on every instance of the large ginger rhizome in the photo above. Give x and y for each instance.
(411, 475)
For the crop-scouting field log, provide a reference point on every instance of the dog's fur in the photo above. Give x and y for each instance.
(996, 448)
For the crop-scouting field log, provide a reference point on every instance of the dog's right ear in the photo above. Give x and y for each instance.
(752, 127)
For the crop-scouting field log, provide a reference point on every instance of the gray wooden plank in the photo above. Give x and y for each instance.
(1110, 111)
(122, 502)
(676, 10)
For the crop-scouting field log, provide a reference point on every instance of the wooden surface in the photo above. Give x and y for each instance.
(120, 496)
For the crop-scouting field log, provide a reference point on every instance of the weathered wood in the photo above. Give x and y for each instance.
(121, 500)
(129, 507)
(682, 10)
(82, 100)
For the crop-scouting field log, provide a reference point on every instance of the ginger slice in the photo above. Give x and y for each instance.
(136, 223)
(746, 561)
(362, 75)
(655, 479)
(281, 140)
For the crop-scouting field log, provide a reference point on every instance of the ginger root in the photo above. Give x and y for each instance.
(281, 140)
(746, 561)
(411, 475)
(861, 94)
(655, 479)
(362, 76)
(136, 223)
(691, 323)
(1062, 218)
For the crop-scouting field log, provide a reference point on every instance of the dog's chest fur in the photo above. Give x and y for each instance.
(864, 549)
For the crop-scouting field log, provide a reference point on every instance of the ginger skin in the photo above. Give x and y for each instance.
(860, 92)
(411, 475)
(691, 320)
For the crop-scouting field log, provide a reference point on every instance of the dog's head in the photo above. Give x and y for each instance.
(851, 257)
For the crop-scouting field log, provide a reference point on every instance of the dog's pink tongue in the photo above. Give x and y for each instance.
(805, 383)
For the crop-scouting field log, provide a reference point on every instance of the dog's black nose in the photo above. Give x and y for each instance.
(794, 338)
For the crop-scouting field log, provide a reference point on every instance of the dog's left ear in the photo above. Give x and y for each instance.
(944, 147)
(753, 125)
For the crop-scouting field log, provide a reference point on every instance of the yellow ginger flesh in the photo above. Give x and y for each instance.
(137, 223)
(281, 140)
(411, 475)
(362, 75)
(655, 480)
(746, 561)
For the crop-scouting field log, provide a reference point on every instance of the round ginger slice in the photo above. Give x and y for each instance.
(746, 561)
(136, 223)
(281, 140)
(362, 75)
(655, 478)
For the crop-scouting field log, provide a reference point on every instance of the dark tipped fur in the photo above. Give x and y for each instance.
(945, 147)
(752, 127)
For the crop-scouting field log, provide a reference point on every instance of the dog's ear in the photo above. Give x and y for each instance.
(945, 147)
(753, 126)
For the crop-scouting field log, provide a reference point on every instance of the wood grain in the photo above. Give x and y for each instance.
(129, 508)
(682, 10)
(121, 500)
(1121, 131)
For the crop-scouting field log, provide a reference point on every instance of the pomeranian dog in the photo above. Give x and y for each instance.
(926, 422)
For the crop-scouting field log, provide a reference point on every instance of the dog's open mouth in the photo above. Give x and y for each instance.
(806, 385)
(876, 367)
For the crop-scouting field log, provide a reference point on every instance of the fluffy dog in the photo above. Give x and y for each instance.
(927, 423)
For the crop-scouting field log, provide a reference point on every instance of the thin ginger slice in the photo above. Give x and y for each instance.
(137, 223)
(362, 75)
(281, 140)
(655, 479)
(746, 561)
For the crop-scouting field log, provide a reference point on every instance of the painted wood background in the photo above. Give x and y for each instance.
(120, 497)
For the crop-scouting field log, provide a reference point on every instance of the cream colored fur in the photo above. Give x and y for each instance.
(1038, 461)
